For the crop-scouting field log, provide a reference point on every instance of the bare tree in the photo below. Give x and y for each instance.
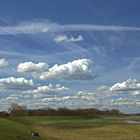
(18, 110)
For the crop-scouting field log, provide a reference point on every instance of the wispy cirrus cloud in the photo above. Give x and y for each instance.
(3, 62)
(65, 38)
(45, 26)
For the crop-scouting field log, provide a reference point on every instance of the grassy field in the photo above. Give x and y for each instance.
(71, 128)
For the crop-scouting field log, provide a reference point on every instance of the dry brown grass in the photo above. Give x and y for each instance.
(114, 132)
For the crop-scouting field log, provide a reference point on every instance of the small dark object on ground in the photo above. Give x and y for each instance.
(33, 133)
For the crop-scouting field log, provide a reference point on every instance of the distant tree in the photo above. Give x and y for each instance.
(18, 110)
(40, 112)
(115, 111)
(4, 114)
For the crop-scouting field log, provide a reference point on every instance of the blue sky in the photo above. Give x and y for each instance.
(77, 53)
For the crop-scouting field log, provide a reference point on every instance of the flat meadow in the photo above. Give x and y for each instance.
(100, 127)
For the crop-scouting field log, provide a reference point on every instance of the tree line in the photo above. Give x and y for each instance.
(19, 110)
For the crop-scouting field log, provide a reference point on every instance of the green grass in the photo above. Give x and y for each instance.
(69, 128)
(10, 129)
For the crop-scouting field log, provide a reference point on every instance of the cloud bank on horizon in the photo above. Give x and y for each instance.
(48, 94)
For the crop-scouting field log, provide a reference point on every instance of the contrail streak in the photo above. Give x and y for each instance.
(44, 27)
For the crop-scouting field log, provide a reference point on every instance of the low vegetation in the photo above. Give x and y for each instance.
(101, 127)
(19, 110)
(64, 124)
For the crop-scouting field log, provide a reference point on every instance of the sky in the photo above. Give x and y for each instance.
(73, 54)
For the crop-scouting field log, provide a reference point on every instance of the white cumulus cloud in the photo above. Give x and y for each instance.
(31, 67)
(136, 93)
(130, 84)
(13, 83)
(75, 70)
(87, 96)
(102, 88)
(65, 38)
(50, 88)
